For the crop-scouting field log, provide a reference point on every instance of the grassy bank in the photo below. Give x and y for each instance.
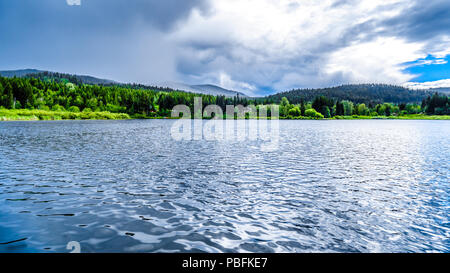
(411, 116)
(26, 114)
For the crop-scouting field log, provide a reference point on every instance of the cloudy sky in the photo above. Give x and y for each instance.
(254, 46)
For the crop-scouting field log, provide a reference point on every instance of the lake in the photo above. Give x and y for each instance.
(128, 186)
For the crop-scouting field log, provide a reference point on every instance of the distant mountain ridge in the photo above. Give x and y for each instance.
(443, 90)
(207, 89)
(18, 73)
(217, 89)
(42, 74)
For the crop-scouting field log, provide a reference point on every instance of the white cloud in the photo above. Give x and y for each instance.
(376, 61)
(430, 62)
(428, 85)
(225, 81)
(287, 44)
(73, 2)
(441, 48)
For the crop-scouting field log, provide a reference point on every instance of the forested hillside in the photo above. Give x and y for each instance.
(35, 93)
(207, 89)
(360, 93)
(63, 77)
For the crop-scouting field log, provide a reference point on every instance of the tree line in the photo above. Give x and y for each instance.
(325, 107)
(37, 93)
(140, 101)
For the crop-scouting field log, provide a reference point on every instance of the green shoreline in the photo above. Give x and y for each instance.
(34, 115)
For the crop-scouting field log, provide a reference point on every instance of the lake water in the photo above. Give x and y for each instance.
(127, 186)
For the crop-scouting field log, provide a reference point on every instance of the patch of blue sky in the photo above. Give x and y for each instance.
(429, 69)
(265, 90)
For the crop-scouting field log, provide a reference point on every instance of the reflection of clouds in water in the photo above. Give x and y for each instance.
(73, 2)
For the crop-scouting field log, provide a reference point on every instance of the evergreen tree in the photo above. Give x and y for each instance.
(326, 111)
(339, 108)
(302, 107)
(8, 101)
(321, 104)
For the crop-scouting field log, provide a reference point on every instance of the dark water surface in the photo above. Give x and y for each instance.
(126, 186)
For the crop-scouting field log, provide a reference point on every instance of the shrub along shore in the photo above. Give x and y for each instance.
(27, 114)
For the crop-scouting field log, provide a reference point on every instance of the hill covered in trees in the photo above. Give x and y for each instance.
(35, 93)
(207, 89)
(47, 75)
(63, 77)
(18, 73)
(443, 90)
(357, 93)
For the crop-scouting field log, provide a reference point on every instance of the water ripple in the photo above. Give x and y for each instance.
(126, 186)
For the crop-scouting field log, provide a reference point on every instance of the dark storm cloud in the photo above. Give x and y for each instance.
(94, 14)
(423, 21)
(116, 39)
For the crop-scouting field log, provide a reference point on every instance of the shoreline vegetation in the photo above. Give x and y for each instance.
(35, 115)
(32, 98)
